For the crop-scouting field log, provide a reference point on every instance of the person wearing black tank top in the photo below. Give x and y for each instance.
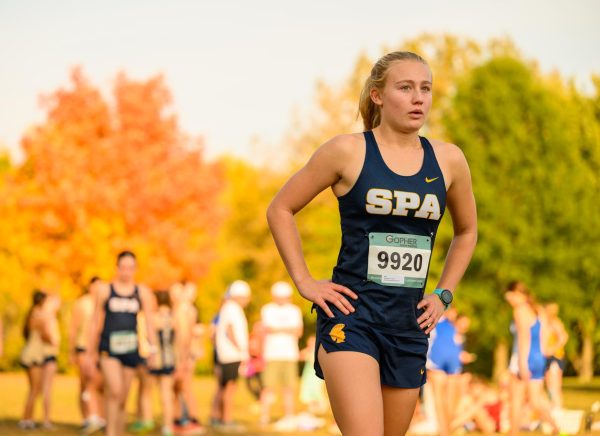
(114, 336)
(392, 185)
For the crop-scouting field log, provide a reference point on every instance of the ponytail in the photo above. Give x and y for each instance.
(37, 300)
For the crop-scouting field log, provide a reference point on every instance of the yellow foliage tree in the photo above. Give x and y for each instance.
(99, 178)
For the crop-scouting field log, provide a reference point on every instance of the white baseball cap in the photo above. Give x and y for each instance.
(239, 288)
(281, 289)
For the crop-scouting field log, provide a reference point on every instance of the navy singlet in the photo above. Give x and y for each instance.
(383, 201)
(120, 319)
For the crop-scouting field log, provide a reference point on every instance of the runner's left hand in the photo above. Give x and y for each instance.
(434, 309)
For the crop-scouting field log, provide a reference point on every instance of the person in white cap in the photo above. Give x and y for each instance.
(283, 324)
(232, 346)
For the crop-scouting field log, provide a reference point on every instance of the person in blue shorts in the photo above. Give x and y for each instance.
(445, 363)
(392, 186)
(527, 363)
(444, 350)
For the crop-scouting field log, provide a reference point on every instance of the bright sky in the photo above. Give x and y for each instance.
(238, 69)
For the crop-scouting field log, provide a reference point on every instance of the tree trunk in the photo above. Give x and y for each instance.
(586, 369)
(500, 359)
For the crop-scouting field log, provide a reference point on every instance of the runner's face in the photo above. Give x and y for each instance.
(405, 99)
(515, 298)
(176, 292)
(244, 301)
(126, 269)
(282, 300)
(509, 296)
(552, 310)
(189, 293)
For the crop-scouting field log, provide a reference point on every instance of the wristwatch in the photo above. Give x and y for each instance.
(445, 295)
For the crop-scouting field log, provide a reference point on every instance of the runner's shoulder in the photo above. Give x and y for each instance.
(346, 142)
(451, 159)
(447, 150)
(103, 292)
(145, 291)
(341, 148)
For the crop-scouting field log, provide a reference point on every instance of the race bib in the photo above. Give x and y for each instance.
(398, 260)
(123, 342)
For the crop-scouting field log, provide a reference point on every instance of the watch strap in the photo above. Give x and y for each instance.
(438, 292)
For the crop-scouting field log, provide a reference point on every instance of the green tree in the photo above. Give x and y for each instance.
(532, 145)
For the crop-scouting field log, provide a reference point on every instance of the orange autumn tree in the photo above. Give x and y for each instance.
(100, 176)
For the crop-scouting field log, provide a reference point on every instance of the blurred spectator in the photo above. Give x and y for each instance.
(188, 348)
(90, 401)
(51, 347)
(163, 365)
(32, 356)
(527, 361)
(444, 367)
(555, 338)
(115, 336)
(478, 408)
(216, 405)
(144, 421)
(232, 349)
(283, 327)
(312, 388)
(256, 364)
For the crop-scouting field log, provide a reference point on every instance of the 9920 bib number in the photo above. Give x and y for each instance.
(398, 259)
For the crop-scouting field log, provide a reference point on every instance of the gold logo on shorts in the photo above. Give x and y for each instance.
(422, 371)
(337, 333)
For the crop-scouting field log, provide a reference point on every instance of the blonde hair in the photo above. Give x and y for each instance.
(369, 111)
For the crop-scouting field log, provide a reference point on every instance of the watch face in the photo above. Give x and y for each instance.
(446, 296)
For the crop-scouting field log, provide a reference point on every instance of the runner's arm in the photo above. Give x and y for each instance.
(461, 204)
(563, 335)
(74, 327)
(98, 317)
(523, 341)
(148, 307)
(323, 170)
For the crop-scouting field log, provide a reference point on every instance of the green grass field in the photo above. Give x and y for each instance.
(66, 415)
(65, 411)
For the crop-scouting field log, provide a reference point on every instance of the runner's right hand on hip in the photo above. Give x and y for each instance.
(321, 292)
